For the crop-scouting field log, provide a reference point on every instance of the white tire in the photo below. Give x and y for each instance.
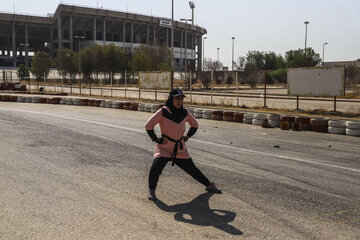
(336, 130)
(249, 116)
(275, 123)
(141, 109)
(198, 115)
(206, 116)
(353, 125)
(257, 122)
(208, 111)
(353, 132)
(337, 124)
(198, 111)
(260, 116)
(273, 117)
(247, 121)
(20, 99)
(141, 105)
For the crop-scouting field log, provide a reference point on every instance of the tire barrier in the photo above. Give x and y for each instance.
(217, 115)
(84, 102)
(115, 104)
(97, 103)
(257, 122)
(134, 106)
(207, 113)
(273, 117)
(91, 102)
(337, 130)
(284, 125)
(228, 116)
(141, 107)
(20, 99)
(154, 108)
(108, 104)
(148, 107)
(198, 113)
(319, 124)
(260, 116)
(103, 104)
(76, 101)
(13, 99)
(352, 128)
(274, 123)
(238, 117)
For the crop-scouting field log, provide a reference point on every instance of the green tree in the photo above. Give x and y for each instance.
(41, 63)
(23, 72)
(114, 59)
(296, 58)
(141, 61)
(64, 62)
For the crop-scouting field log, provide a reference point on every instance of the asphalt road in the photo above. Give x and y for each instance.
(72, 172)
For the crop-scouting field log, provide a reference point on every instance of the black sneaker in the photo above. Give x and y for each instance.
(213, 189)
(152, 195)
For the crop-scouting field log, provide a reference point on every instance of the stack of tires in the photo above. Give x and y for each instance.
(13, 98)
(259, 119)
(69, 101)
(353, 128)
(273, 120)
(127, 105)
(28, 99)
(207, 113)
(286, 122)
(103, 104)
(4, 98)
(97, 103)
(121, 105)
(238, 117)
(154, 107)
(248, 117)
(116, 104)
(57, 100)
(91, 102)
(21, 99)
(228, 116)
(76, 101)
(198, 113)
(217, 115)
(63, 101)
(37, 99)
(319, 124)
(42, 100)
(148, 107)
(108, 103)
(84, 102)
(337, 127)
(141, 107)
(134, 106)
(303, 122)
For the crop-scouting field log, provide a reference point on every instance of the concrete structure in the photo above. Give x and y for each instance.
(21, 34)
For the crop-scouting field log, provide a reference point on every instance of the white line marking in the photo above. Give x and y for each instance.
(194, 140)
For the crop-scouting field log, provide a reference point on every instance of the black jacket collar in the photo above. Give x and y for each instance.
(175, 118)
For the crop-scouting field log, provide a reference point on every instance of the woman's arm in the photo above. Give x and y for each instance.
(150, 125)
(193, 126)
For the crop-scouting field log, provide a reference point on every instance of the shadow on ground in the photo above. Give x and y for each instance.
(198, 212)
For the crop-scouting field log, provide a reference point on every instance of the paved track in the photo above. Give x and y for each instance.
(69, 172)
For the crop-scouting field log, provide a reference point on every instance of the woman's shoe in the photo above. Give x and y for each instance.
(212, 188)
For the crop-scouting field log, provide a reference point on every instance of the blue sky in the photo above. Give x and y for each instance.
(264, 25)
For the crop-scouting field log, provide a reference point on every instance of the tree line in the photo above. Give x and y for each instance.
(98, 59)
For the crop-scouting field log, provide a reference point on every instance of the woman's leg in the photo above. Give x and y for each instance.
(155, 171)
(188, 166)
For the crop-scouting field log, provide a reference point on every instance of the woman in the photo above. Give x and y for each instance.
(171, 145)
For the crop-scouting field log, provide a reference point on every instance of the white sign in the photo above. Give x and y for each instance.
(316, 81)
(165, 22)
(155, 80)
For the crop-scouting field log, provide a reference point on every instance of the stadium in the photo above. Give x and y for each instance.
(76, 27)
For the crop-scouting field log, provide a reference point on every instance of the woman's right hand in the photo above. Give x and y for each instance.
(163, 140)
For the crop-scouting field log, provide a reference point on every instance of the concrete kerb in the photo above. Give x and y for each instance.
(71, 100)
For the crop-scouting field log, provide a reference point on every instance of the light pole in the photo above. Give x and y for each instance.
(232, 62)
(323, 60)
(192, 6)
(218, 54)
(204, 52)
(79, 37)
(306, 24)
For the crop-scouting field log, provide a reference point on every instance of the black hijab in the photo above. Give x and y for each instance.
(177, 114)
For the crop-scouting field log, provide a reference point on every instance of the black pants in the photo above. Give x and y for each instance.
(185, 164)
